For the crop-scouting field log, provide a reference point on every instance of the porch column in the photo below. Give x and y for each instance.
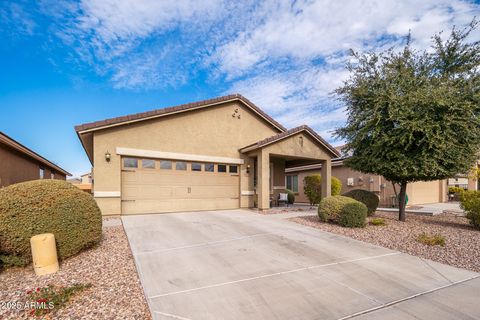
(263, 180)
(326, 173)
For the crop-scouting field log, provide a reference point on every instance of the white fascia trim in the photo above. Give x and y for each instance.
(176, 156)
(247, 193)
(107, 194)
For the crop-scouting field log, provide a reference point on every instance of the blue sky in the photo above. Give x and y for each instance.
(69, 62)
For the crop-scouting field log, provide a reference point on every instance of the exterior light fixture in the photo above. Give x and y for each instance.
(108, 156)
(248, 168)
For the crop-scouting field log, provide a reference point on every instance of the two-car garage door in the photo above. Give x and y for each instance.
(156, 186)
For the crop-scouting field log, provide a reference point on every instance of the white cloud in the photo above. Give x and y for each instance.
(307, 30)
(286, 56)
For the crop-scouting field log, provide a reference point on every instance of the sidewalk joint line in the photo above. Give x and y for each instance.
(392, 303)
(272, 275)
(203, 244)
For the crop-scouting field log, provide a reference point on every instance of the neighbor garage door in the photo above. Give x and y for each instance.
(156, 186)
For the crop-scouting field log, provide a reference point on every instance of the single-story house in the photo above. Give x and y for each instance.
(83, 183)
(19, 164)
(418, 192)
(222, 153)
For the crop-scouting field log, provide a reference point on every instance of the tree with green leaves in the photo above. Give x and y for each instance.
(414, 115)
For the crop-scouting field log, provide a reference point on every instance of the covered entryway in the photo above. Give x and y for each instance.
(298, 146)
(157, 186)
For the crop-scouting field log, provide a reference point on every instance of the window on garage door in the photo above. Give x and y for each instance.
(130, 163)
(148, 164)
(196, 166)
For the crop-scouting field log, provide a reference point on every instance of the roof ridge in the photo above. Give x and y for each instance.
(177, 108)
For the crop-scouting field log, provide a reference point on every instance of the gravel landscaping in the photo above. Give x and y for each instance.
(116, 292)
(462, 241)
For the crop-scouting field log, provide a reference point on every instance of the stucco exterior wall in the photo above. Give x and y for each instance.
(418, 192)
(16, 167)
(215, 131)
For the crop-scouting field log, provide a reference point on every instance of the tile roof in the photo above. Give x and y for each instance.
(288, 133)
(175, 109)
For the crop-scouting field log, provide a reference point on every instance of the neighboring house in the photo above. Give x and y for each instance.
(418, 192)
(459, 181)
(86, 178)
(18, 164)
(223, 153)
(466, 181)
(84, 182)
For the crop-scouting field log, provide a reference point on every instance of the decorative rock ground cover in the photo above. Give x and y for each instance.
(462, 241)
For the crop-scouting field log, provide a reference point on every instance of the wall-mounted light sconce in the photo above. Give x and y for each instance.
(108, 156)
(248, 168)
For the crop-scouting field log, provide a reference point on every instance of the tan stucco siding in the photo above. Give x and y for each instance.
(215, 131)
(418, 192)
(299, 145)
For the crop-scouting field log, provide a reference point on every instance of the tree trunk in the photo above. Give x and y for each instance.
(401, 201)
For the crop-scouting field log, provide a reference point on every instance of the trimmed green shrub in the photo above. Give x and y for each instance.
(312, 187)
(46, 206)
(291, 196)
(336, 186)
(353, 215)
(470, 202)
(368, 198)
(330, 207)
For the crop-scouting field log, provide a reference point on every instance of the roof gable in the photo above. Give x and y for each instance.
(286, 134)
(107, 123)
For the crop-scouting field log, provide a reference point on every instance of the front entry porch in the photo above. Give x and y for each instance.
(299, 146)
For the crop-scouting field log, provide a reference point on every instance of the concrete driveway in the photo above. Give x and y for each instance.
(241, 265)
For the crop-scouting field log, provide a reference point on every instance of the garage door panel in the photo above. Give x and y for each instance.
(214, 192)
(157, 191)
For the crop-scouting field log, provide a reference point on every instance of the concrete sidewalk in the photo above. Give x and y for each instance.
(240, 265)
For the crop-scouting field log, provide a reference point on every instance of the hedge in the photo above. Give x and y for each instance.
(353, 215)
(330, 207)
(46, 206)
(368, 198)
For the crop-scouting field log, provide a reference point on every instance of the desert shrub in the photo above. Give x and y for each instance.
(353, 215)
(368, 198)
(46, 206)
(431, 240)
(330, 207)
(336, 186)
(312, 187)
(378, 222)
(470, 202)
(455, 190)
(291, 196)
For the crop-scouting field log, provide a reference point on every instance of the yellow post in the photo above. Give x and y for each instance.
(44, 254)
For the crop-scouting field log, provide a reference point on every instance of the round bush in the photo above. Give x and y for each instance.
(368, 198)
(47, 206)
(353, 215)
(330, 207)
(336, 186)
(291, 196)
